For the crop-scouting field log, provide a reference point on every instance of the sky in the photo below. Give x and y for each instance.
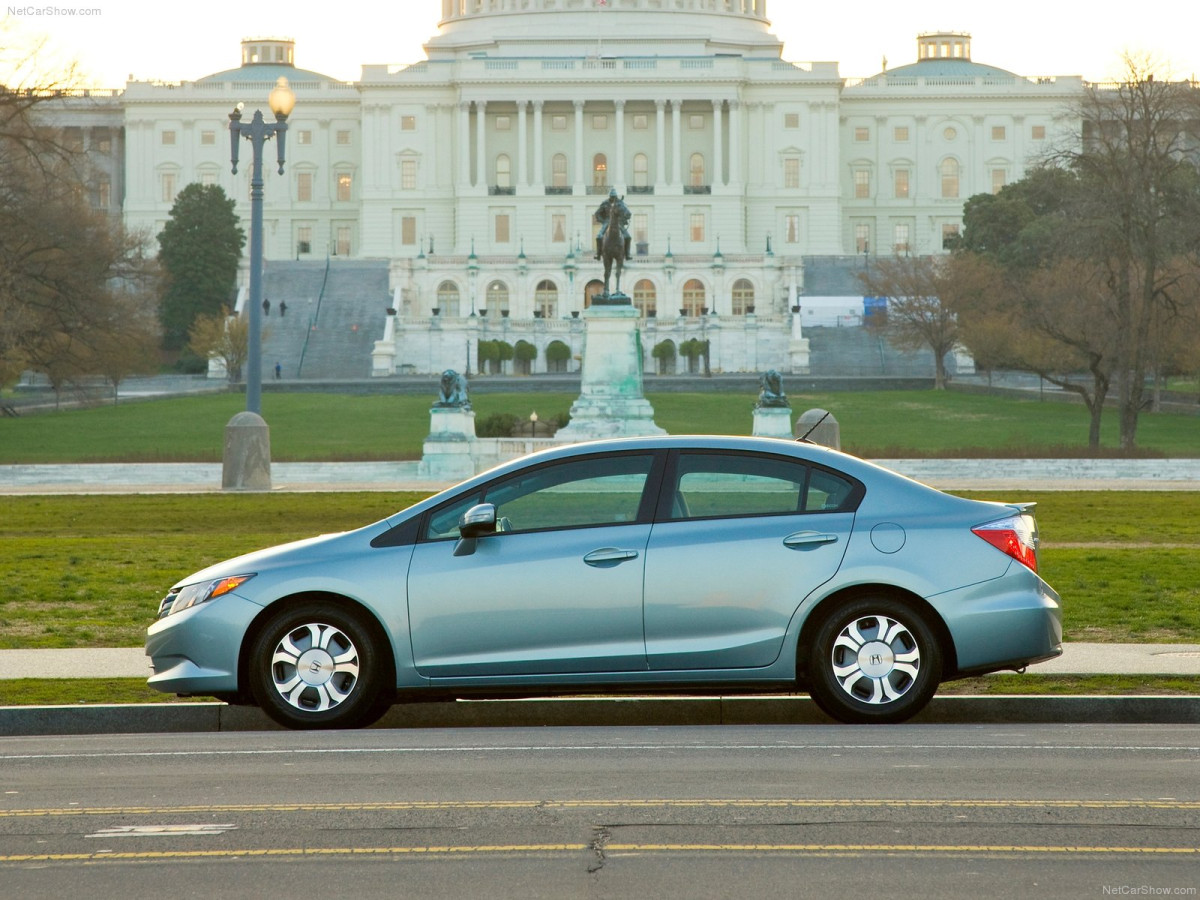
(112, 40)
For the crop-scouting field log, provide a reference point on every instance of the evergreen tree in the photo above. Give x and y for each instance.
(199, 249)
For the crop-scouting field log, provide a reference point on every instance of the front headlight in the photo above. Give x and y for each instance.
(194, 594)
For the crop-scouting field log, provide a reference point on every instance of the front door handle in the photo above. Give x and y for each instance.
(802, 539)
(609, 556)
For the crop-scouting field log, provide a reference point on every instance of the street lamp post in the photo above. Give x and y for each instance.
(258, 132)
(533, 418)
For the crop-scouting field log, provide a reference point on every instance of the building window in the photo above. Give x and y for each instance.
(599, 170)
(900, 134)
(303, 239)
(502, 228)
(696, 122)
(168, 138)
(408, 123)
(168, 187)
(949, 236)
(791, 172)
(949, 170)
(558, 170)
(999, 133)
(999, 179)
(862, 133)
(791, 228)
(696, 229)
(104, 144)
(641, 170)
(693, 298)
(408, 231)
(503, 123)
(743, 297)
(304, 184)
(102, 198)
(208, 137)
(791, 120)
(343, 136)
(641, 228)
(862, 184)
(950, 133)
(1038, 132)
(558, 228)
(900, 245)
(343, 240)
(545, 299)
(344, 184)
(901, 181)
(558, 123)
(208, 178)
(640, 122)
(862, 237)
(496, 298)
(304, 136)
(600, 122)
(696, 170)
(408, 174)
(447, 299)
(503, 171)
(645, 299)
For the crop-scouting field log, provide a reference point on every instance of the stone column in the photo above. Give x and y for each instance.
(464, 143)
(580, 165)
(735, 143)
(677, 140)
(522, 145)
(660, 173)
(718, 176)
(539, 162)
(619, 169)
(481, 176)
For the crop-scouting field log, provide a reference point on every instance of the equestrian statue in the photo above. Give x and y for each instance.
(613, 240)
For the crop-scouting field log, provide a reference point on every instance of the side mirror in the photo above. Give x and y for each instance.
(479, 520)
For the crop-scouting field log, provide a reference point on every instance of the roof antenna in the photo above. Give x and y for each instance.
(804, 437)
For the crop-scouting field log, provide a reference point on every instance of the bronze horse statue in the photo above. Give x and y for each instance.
(613, 248)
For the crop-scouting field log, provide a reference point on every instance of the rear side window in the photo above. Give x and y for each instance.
(708, 485)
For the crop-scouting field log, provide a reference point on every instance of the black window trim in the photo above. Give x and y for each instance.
(666, 496)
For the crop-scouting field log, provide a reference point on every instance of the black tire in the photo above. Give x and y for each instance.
(874, 660)
(314, 665)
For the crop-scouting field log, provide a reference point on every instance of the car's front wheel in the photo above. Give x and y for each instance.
(874, 660)
(317, 666)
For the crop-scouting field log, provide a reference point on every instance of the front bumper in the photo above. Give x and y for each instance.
(196, 651)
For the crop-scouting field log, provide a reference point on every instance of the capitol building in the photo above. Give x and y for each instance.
(435, 206)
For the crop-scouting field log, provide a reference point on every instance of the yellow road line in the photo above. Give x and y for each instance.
(516, 849)
(434, 805)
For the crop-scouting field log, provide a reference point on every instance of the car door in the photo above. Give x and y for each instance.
(739, 540)
(558, 587)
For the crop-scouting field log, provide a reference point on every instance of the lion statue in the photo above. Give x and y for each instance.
(771, 395)
(452, 392)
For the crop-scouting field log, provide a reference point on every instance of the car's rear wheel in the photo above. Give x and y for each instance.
(874, 660)
(317, 666)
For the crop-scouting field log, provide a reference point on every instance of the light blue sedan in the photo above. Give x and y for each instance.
(680, 564)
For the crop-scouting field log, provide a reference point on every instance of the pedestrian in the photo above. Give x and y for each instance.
(278, 371)
(282, 308)
(266, 307)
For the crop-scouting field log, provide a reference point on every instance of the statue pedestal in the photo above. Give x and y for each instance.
(446, 453)
(610, 400)
(773, 421)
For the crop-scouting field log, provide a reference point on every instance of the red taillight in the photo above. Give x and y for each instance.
(1015, 535)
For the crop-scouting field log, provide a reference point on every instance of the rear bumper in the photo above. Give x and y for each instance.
(1005, 623)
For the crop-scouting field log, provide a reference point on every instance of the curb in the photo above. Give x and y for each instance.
(146, 718)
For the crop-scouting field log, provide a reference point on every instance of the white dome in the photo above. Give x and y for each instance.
(621, 27)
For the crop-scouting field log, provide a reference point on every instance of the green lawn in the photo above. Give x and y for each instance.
(877, 424)
(89, 571)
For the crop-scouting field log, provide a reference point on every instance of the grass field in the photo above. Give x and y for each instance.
(309, 427)
(89, 571)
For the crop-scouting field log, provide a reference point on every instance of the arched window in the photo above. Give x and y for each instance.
(693, 298)
(696, 170)
(496, 298)
(599, 170)
(545, 300)
(503, 171)
(641, 170)
(590, 290)
(447, 298)
(743, 297)
(950, 178)
(645, 298)
(558, 170)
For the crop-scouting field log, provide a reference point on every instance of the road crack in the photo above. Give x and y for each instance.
(601, 837)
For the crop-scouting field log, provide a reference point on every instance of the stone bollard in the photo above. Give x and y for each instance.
(247, 459)
(826, 432)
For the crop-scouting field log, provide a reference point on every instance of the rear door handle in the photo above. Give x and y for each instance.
(802, 539)
(609, 556)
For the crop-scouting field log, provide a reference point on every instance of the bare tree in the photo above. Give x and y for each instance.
(224, 336)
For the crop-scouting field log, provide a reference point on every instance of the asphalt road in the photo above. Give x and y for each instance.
(782, 811)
